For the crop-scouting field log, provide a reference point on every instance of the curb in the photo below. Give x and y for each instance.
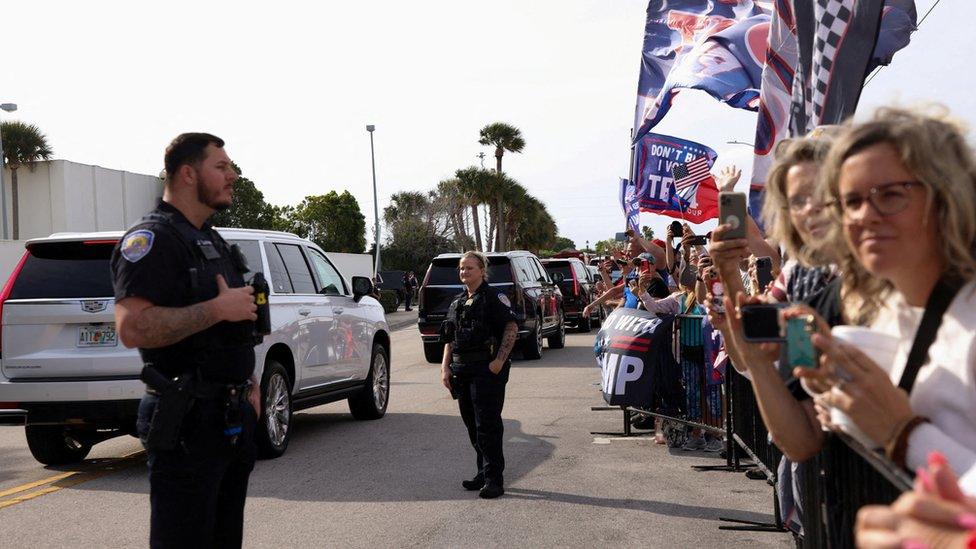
(402, 324)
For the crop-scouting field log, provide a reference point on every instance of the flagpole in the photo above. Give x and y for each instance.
(633, 177)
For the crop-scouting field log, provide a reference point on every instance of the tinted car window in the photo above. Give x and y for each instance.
(561, 267)
(298, 271)
(252, 253)
(280, 282)
(65, 269)
(445, 271)
(540, 272)
(329, 279)
(525, 270)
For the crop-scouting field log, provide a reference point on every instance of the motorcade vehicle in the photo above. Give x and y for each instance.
(61, 360)
(535, 297)
(578, 291)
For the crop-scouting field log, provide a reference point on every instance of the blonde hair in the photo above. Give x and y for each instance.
(933, 148)
(481, 258)
(776, 206)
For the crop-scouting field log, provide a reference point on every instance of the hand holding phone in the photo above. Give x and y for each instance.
(732, 211)
(800, 352)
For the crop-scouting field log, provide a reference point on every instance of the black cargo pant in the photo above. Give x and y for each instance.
(481, 398)
(197, 491)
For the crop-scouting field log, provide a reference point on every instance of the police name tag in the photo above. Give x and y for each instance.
(97, 336)
(208, 250)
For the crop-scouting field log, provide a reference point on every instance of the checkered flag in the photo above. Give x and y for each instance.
(836, 39)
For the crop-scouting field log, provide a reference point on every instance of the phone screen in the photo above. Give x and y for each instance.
(799, 348)
(621, 237)
(760, 322)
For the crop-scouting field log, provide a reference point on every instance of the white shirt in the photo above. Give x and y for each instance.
(945, 389)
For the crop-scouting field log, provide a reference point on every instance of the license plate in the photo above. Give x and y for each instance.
(97, 336)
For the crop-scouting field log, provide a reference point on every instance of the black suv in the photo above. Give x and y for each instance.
(577, 291)
(535, 297)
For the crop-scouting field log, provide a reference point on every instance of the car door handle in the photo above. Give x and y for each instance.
(337, 310)
(304, 312)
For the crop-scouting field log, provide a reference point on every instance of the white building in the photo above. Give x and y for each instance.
(59, 196)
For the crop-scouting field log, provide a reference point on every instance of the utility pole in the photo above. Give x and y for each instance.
(481, 156)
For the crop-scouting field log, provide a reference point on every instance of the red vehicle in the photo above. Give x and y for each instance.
(578, 291)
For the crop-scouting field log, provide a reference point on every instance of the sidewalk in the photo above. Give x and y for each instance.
(401, 319)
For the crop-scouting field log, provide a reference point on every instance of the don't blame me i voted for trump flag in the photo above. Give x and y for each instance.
(630, 348)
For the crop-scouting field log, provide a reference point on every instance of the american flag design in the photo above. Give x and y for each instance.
(688, 176)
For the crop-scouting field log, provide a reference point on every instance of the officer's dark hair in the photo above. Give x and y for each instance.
(188, 149)
(481, 258)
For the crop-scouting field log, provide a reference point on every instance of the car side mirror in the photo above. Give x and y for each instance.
(361, 286)
(557, 278)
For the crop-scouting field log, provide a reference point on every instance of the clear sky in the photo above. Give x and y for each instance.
(291, 86)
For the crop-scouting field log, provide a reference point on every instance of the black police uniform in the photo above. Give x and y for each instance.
(474, 327)
(198, 488)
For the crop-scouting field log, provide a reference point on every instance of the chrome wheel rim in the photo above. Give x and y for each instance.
(277, 410)
(381, 381)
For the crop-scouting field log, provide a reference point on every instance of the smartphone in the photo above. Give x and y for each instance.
(732, 211)
(642, 264)
(676, 229)
(760, 322)
(697, 240)
(764, 272)
(621, 237)
(717, 290)
(799, 348)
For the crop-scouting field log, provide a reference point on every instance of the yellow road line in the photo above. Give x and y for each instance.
(67, 479)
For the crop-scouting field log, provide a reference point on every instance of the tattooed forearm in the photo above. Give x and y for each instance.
(162, 326)
(508, 341)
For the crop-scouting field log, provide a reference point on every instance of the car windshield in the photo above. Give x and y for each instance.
(445, 271)
(561, 267)
(66, 270)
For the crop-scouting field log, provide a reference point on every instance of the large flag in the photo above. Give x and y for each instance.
(783, 57)
(655, 156)
(715, 46)
(630, 204)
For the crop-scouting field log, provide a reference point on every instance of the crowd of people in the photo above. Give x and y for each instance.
(867, 241)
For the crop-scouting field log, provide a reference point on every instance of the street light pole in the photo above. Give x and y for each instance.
(9, 107)
(376, 206)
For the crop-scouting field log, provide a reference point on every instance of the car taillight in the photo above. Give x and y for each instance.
(5, 293)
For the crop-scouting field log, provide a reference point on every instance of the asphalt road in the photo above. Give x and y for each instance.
(395, 482)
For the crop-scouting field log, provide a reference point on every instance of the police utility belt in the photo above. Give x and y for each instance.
(467, 357)
(176, 396)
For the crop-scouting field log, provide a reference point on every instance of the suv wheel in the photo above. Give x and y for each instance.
(371, 402)
(56, 445)
(585, 324)
(532, 345)
(274, 426)
(434, 352)
(558, 339)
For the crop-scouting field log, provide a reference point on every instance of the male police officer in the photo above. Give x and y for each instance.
(480, 332)
(181, 299)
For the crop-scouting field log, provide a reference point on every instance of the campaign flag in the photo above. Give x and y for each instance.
(655, 156)
(630, 205)
(633, 350)
(782, 58)
(713, 46)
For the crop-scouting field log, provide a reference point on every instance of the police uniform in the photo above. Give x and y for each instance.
(197, 488)
(474, 327)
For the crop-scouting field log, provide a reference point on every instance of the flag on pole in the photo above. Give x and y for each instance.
(630, 204)
(691, 174)
(655, 158)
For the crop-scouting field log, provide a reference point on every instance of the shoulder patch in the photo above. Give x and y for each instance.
(137, 245)
(504, 299)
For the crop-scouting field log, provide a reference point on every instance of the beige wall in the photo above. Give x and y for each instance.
(62, 196)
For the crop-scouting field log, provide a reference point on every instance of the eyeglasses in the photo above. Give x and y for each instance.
(799, 203)
(887, 199)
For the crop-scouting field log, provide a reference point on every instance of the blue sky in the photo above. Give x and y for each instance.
(291, 86)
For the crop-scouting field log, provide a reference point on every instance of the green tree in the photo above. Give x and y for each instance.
(333, 221)
(504, 137)
(249, 210)
(23, 145)
(603, 247)
(562, 243)
(647, 232)
(475, 185)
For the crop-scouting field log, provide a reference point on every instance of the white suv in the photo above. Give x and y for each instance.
(61, 361)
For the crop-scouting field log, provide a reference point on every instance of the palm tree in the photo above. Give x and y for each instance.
(504, 137)
(22, 144)
(475, 184)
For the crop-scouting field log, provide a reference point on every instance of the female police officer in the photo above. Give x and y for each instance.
(479, 332)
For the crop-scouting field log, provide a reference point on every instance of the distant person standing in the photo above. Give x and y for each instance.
(409, 287)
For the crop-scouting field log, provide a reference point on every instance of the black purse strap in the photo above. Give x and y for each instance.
(943, 293)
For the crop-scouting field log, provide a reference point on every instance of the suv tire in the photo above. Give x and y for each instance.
(371, 401)
(434, 352)
(558, 339)
(55, 445)
(532, 345)
(274, 424)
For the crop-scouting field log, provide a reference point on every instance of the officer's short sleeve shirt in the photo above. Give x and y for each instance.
(500, 311)
(148, 262)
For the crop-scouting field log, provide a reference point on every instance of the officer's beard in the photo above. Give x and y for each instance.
(209, 197)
